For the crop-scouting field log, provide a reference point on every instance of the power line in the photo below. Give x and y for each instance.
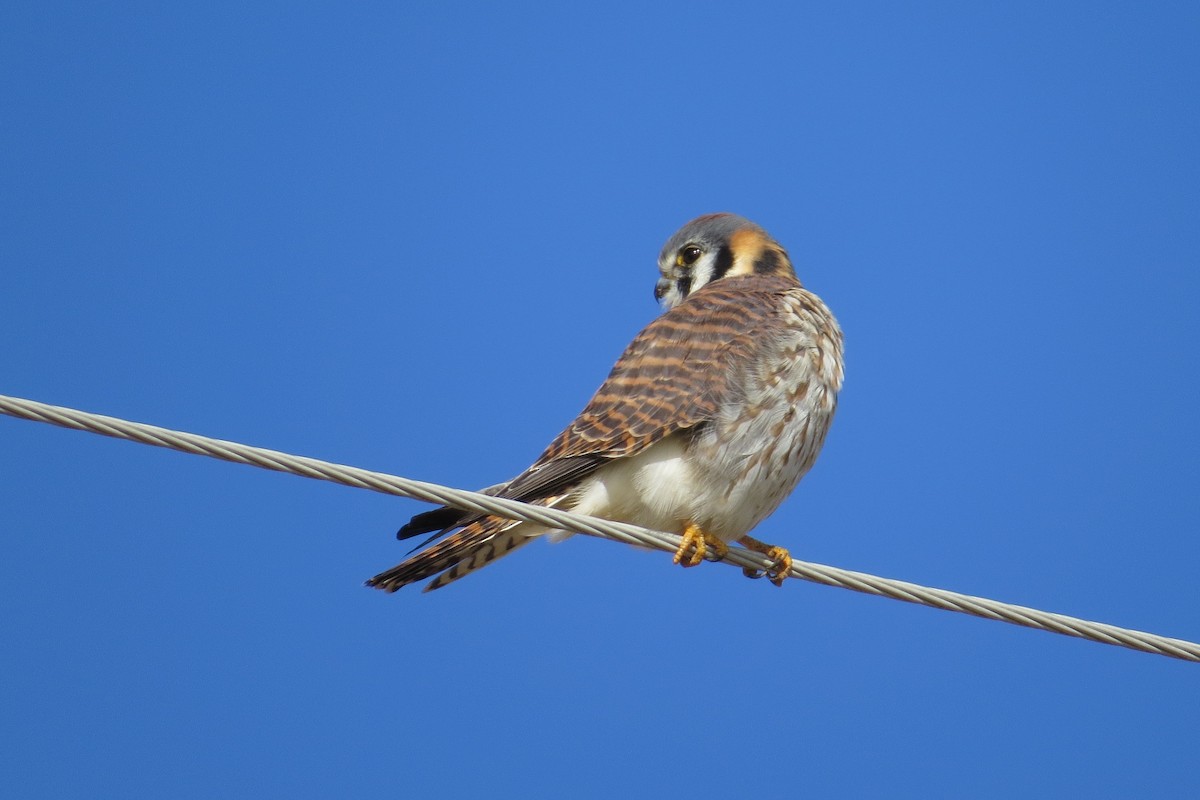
(630, 534)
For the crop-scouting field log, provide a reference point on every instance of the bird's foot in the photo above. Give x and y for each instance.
(782, 558)
(696, 545)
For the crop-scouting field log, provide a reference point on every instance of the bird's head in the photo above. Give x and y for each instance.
(713, 247)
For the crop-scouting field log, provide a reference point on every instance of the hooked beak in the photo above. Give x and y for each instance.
(661, 288)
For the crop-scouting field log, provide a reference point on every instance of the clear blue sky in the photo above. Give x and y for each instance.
(415, 240)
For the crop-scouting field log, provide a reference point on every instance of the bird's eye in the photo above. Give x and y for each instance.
(688, 255)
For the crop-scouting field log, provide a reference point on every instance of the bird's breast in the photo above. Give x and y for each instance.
(768, 436)
(731, 472)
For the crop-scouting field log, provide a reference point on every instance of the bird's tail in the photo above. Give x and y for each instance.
(474, 547)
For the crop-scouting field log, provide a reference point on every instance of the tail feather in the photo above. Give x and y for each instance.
(442, 520)
(500, 545)
(478, 544)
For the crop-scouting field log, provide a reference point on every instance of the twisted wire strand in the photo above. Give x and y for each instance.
(630, 534)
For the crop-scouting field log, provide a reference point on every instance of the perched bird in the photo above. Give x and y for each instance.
(706, 423)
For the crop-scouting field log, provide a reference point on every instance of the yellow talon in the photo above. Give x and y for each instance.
(781, 557)
(718, 547)
(695, 546)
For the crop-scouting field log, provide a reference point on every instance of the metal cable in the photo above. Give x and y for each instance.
(630, 534)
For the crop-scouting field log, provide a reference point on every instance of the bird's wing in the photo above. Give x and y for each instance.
(674, 377)
(677, 373)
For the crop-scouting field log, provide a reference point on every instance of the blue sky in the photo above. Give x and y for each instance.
(415, 239)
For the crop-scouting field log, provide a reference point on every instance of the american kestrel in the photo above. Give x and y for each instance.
(706, 423)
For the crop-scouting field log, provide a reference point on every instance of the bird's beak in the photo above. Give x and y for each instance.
(661, 288)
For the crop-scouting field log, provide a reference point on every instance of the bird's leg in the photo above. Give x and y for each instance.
(782, 558)
(696, 544)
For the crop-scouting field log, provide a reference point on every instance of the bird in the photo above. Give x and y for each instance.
(707, 421)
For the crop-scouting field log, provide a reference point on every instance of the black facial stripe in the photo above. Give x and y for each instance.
(767, 263)
(723, 262)
(684, 284)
